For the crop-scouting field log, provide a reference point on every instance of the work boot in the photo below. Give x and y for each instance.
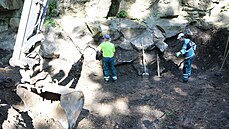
(106, 79)
(185, 81)
(114, 78)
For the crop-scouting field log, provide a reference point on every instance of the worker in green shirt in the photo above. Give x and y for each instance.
(108, 50)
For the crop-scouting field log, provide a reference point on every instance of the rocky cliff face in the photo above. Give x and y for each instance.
(164, 13)
(192, 10)
(10, 14)
(145, 21)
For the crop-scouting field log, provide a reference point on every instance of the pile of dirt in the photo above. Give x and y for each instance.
(143, 102)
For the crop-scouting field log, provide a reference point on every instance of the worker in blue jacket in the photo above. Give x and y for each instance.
(188, 51)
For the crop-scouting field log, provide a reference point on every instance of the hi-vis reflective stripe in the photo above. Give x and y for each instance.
(106, 77)
(190, 56)
(185, 76)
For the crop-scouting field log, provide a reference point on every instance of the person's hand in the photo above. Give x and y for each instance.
(178, 54)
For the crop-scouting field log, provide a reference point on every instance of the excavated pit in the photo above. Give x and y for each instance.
(202, 103)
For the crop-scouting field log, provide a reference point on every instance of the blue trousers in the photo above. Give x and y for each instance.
(108, 67)
(187, 68)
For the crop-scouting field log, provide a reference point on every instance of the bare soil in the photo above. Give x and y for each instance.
(149, 102)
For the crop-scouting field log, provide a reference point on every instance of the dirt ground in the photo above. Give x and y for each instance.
(150, 102)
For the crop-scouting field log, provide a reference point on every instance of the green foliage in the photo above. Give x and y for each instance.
(122, 14)
(155, 13)
(52, 6)
(169, 113)
(227, 26)
(50, 21)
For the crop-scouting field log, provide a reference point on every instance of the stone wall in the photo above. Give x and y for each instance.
(10, 14)
(192, 10)
(82, 22)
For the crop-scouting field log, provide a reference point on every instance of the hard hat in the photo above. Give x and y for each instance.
(180, 35)
(106, 36)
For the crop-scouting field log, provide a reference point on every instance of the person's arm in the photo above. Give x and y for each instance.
(99, 48)
(183, 50)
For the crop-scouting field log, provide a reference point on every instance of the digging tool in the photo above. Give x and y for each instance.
(143, 61)
(180, 64)
(224, 59)
(219, 72)
(224, 54)
(158, 66)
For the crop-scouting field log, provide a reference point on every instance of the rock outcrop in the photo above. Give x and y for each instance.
(147, 25)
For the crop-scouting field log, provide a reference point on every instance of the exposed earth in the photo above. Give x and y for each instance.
(137, 102)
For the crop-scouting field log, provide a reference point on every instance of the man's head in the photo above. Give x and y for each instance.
(106, 37)
(180, 37)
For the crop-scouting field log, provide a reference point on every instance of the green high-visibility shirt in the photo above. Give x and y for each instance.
(107, 48)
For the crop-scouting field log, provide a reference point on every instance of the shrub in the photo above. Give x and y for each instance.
(227, 26)
(50, 21)
(122, 14)
(52, 6)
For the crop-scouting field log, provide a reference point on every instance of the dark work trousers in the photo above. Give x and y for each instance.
(108, 67)
(187, 68)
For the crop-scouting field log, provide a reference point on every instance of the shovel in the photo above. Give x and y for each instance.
(143, 61)
(158, 66)
(219, 74)
(180, 64)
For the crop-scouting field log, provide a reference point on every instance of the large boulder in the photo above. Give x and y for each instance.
(6, 5)
(137, 9)
(199, 4)
(57, 44)
(143, 41)
(170, 27)
(7, 40)
(167, 8)
(97, 8)
(78, 36)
